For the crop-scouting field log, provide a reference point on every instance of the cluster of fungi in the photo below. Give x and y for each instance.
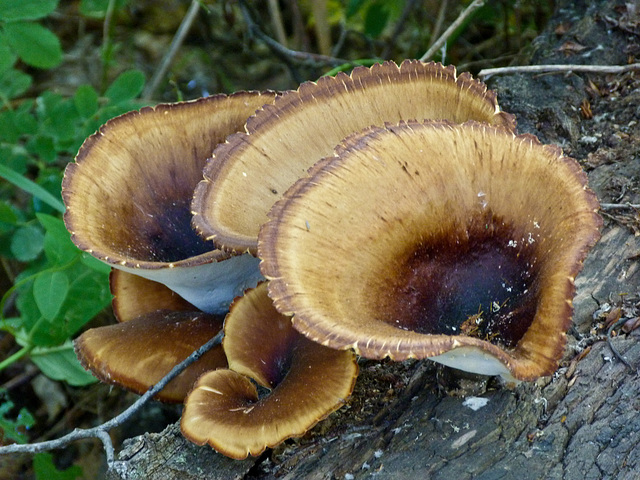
(393, 212)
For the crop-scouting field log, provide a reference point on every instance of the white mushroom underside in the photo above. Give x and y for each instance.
(212, 286)
(474, 360)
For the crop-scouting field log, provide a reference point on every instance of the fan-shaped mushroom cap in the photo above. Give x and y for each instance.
(128, 196)
(307, 382)
(138, 353)
(251, 171)
(456, 242)
(134, 296)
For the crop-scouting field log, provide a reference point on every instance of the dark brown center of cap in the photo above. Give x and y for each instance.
(479, 282)
(165, 235)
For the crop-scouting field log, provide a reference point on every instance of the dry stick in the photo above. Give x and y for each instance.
(400, 27)
(487, 72)
(101, 430)
(619, 206)
(440, 19)
(473, 6)
(176, 43)
(615, 351)
(282, 51)
(106, 41)
(276, 21)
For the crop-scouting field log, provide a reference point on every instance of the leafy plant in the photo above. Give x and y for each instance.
(45, 469)
(58, 288)
(374, 15)
(13, 429)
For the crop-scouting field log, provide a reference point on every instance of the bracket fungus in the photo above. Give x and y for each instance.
(134, 296)
(157, 329)
(138, 353)
(459, 243)
(306, 382)
(129, 191)
(252, 170)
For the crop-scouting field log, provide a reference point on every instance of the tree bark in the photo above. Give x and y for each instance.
(581, 423)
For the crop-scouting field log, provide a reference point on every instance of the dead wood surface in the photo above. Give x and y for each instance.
(582, 423)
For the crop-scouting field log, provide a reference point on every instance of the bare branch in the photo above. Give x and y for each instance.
(100, 431)
(603, 69)
(176, 43)
(276, 21)
(473, 6)
(284, 52)
(619, 206)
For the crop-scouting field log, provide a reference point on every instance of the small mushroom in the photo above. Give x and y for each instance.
(134, 296)
(306, 382)
(138, 353)
(254, 169)
(129, 191)
(459, 243)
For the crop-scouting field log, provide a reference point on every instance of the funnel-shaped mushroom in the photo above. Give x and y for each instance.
(307, 383)
(128, 196)
(251, 171)
(456, 242)
(138, 353)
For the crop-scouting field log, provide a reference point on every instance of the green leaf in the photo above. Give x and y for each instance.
(61, 124)
(127, 86)
(7, 56)
(42, 146)
(8, 130)
(31, 187)
(27, 243)
(13, 83)
(353, 7)
(10, 428)
(61, 363)
(58, 246)
(45, 469)
(95, 264)
(47, 103)
(50, 290)
(86, 101)
(34, 44)
(98, 8)
(376, 19)
(8, 217)
(24, 119)
(88, 295)
(11, 10)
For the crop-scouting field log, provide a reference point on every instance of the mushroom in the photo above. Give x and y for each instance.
(306, 382)
(129, 191)
(134, 296)
(459, 243)
(138, 353)
(254, 169)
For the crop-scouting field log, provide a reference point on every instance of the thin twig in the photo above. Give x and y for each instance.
(610, 343)
(487, 72)
(176, 43)
(321, 26)
(399, 28)
(473, 6)
(276, 21)
(100, 431)
(440, 18)
(106, 40)
(619, 206)
(284, 52)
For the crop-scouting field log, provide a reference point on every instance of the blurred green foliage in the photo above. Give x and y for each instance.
(58, 288)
